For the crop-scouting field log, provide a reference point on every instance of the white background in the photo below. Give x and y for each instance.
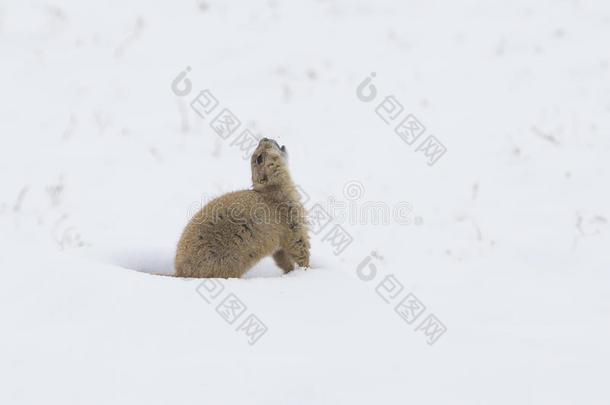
(101, 166)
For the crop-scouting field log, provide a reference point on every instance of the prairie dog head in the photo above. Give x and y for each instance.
(269, 165)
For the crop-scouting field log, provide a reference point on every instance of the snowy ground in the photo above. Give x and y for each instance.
(101, 166)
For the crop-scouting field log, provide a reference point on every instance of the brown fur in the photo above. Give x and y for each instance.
(234, 231)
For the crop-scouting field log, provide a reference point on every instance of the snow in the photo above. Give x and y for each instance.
(102, 165)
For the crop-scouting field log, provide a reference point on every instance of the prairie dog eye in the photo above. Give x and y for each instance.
(259, 159)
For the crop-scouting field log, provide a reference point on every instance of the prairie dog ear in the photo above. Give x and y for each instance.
(284, 151)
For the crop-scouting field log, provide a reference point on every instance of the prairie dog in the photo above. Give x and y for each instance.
(236, 230)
